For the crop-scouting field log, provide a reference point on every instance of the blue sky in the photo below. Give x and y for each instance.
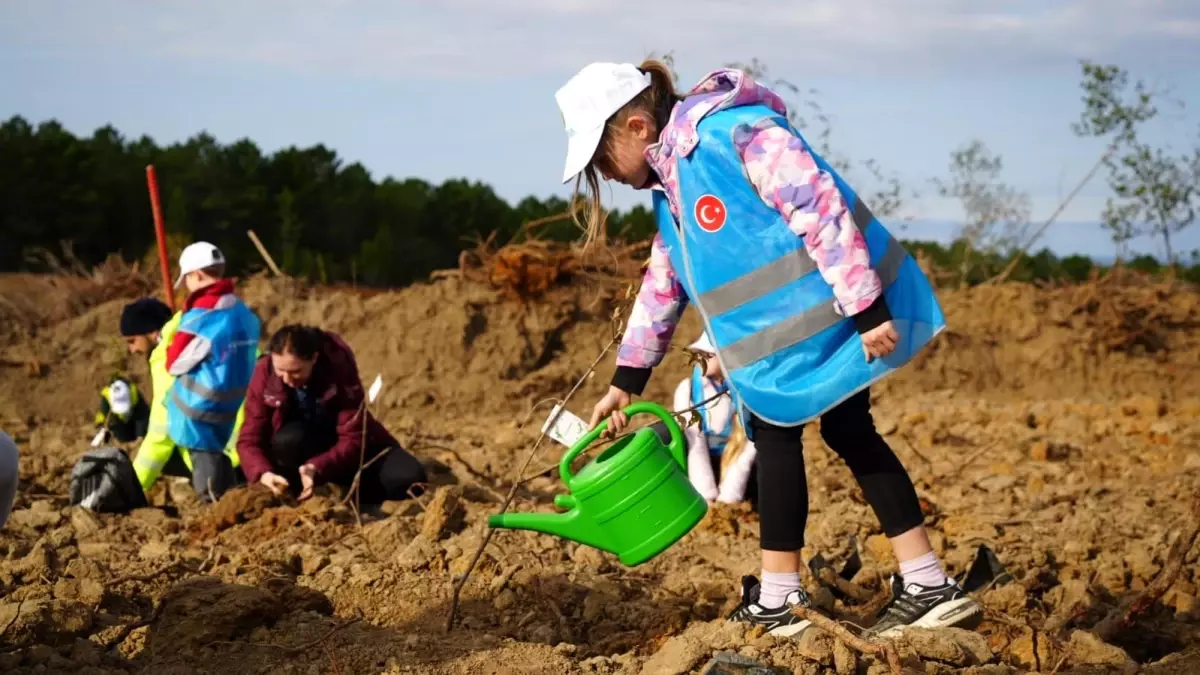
(464, 88)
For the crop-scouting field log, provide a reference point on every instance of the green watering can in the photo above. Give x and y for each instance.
(634, 500)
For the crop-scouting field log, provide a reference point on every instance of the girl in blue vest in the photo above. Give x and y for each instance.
(717, 447)
(807, 298)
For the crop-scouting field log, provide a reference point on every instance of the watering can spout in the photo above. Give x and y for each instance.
(566, 525)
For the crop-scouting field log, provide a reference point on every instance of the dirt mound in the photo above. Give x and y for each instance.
(1112, 337)
(456, 346)
(1072, 456)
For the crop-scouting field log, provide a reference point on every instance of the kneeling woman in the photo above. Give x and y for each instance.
(304, 424)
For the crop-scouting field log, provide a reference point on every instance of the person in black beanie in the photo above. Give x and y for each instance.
(124, 411)
(141, 324)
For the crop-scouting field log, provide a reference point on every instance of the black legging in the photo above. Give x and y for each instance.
(850, 432)
(391, 478)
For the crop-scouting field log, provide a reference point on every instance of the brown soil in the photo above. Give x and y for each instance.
(1057, 426)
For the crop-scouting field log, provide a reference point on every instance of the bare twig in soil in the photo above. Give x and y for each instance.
(1073, 613)
(501, 581)
(328, 634)
(376, 458)
(130, 627)
(16, 615)
(298, 649)
(884, 650)
(333, 664)
(962, 466)
(912, 446)
(529, 415)
(1124, 616)
(151, 575)
(362, 455)
(512, 491)
(212, 552)
(415, 496)
(849, 588)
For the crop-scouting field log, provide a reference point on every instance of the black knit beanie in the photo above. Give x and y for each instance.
(143, 316)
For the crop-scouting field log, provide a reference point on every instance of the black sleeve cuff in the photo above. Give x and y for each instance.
(631, 380)
(872, 317)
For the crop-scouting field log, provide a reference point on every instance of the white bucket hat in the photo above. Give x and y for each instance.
(586, 102)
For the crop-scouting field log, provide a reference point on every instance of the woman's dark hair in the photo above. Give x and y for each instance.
(298, 340)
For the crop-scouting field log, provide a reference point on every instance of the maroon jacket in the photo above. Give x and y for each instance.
(337, 388)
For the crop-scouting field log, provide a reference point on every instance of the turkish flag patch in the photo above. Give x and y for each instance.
(710, 213)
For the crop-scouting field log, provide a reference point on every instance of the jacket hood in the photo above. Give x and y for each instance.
(719, 90)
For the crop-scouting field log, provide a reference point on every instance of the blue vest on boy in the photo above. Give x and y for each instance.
(717, 440)
(788, 353)
(203, 405)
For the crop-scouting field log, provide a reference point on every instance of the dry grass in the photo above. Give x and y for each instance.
(31, 302)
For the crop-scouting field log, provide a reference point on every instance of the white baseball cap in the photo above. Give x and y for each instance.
(586, 102)
(198, 256)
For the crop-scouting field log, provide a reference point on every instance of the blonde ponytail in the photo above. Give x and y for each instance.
(735, 444)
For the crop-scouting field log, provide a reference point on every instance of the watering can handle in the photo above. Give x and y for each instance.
(678, 451)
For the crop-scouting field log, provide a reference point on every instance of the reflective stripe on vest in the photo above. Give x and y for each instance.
(201, 415)
(789, 351)
(219, 396)
(777, 274)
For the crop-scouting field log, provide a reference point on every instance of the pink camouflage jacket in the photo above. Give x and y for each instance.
(782, 170)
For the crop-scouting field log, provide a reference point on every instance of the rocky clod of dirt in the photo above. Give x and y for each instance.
(951, 646)
(200, 611)
(41, 620)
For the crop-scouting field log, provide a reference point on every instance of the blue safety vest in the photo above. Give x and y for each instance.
(717, 440)
(787, 351)
(203, 405)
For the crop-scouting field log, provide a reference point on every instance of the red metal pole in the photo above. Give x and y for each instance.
(161, 234)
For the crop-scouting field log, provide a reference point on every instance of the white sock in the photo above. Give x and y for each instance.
(775, 588)
(925, 570)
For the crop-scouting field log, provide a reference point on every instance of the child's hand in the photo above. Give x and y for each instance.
(611, 406)
(880, 341)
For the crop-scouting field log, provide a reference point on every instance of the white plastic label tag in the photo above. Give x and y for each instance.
(375, 387)
(99, 438)
(567, 429)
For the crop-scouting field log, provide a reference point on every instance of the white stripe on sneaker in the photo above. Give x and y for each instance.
(791, 629)
(950, 614)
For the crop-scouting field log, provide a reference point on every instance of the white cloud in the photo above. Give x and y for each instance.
(484, 38)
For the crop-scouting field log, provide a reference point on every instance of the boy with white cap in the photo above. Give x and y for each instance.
(715, 445)
(212, 356)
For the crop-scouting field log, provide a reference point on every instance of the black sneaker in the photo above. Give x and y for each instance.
(780, 621)
(942, 606)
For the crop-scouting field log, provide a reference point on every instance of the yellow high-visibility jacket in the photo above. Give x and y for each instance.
(157, 446)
